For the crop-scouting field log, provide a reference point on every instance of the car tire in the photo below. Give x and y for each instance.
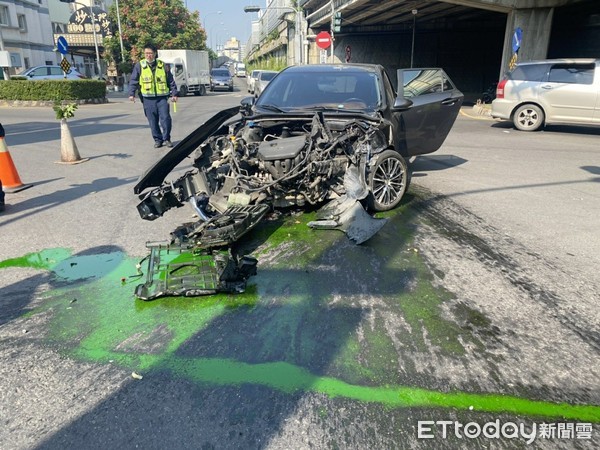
(388, 181)
(183, 91)
(528, 117)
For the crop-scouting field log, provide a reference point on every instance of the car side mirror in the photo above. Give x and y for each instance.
(246, 106)
(402, 103)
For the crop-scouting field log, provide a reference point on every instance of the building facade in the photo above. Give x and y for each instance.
(29, 30)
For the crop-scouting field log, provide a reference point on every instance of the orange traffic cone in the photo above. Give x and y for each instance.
(8, 172)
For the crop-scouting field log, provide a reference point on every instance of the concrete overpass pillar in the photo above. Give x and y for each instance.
(536, 24)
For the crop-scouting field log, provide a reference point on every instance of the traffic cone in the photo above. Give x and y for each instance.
(69, 154)
(8, 172)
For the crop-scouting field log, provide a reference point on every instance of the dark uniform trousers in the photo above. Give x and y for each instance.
(157, 111)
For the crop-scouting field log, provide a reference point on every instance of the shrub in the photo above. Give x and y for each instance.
(50, 90)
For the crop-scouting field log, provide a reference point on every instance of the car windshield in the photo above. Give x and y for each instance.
(327, 89)
(220, 73)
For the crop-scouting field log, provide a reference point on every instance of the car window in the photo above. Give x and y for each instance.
(529, 72)
(296, 90)
(267, 76)
(40, 72)
(220, 73)
(572, 73)
(56, 71)
(425, 81)
(178, 69)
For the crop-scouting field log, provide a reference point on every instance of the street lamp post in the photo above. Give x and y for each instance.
(120, 39)
(218, 38)
(206, 15)
(297, 37)
(120, 33)
(412, 49)
(89, 8)
(212, 37)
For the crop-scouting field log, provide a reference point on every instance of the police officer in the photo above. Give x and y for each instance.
(155, 84)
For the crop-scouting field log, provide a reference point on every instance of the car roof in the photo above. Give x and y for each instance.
(319, 68)
(561, 61)
(72, 70)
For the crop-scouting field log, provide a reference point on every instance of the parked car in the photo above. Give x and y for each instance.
(221, 79)
(50, 73)
(251, 80)
(556, 91)
(330, 136)
(264, 77)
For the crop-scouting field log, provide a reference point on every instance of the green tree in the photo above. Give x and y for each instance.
(166, 23)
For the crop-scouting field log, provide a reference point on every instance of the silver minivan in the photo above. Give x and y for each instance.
(554, 91)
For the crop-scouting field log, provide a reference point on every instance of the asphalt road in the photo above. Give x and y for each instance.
(476, 303)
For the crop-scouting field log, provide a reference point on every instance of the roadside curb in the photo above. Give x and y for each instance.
(478, 111)
(482, 109)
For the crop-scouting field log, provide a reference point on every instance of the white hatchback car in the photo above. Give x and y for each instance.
(50, 73)
(553, 91)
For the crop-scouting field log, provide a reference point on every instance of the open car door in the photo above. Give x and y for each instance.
(435, 105)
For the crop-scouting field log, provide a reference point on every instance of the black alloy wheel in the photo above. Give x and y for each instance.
(388, 181)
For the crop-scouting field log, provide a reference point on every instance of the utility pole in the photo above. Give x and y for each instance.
(121, 41)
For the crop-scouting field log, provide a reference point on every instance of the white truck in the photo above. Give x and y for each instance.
(191, 69)
(240, 69)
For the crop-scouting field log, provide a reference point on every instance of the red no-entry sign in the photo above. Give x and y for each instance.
(323, 40)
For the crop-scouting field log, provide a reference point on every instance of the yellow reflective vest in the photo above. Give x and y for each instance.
(153, 83)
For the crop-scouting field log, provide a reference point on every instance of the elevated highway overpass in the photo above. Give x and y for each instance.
(470, 39)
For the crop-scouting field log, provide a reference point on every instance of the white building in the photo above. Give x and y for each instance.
(26, 33)
(29, 29)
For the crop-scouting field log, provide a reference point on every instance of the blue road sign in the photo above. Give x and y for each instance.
(516, 40)
(61, 44)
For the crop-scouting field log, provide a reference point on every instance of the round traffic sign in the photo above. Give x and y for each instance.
(323, 40)
(62, 45)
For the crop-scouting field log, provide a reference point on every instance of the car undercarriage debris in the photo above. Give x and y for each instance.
(176, 270)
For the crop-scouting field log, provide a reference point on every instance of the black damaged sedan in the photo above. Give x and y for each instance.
(331, 136)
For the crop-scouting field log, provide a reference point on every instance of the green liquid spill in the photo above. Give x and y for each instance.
(97, 319)
(45, 260)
